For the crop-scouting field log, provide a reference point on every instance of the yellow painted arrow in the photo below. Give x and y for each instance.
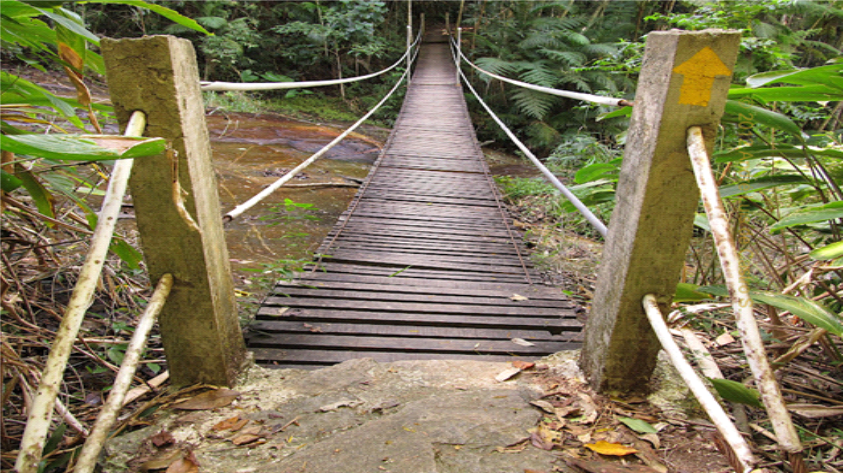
(698, 76)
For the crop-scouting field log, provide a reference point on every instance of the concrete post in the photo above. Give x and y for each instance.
(457, 58)
(158, 75)
(683, 82)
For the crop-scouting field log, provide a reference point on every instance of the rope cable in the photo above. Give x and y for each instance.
(590, 217)
(237, 211)
(612, 101)
(241, 86)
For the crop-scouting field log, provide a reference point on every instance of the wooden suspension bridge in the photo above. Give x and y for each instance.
(424, 264)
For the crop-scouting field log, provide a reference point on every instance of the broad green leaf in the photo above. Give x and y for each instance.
(758, 184)
(686, 292)
(831, 251)
(740, 112)
(126, 252)
(68, 20)
(638, 425)
(40, 195)
(809, 93)
(829, 75)
(621, 112)
(8, 181)
(702, 222)
(761, 152)
(82, 148)
(808, 310)
(810, 214)
(171, 15)
(734, 391)
(594, 171)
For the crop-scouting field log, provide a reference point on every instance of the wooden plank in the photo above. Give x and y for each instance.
(400, 273)
(267, 326)
(411, 307)
(554, 324)
(330, 357)
(368, 283)
(472, 346)
(502, 299)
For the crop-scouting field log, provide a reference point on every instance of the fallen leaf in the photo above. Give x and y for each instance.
(186, 464)
(518, 298)
(814, 411)
(614, 449)
(543, 437)
(724, 339)
(653, 439)
(507, 374)
(528, 470)
(208, 400)
(243, 439)
(638, 425)
(162, 438)
(229, 424)
(544, 405)
(161, 461)
(523, 365)
(522, 342)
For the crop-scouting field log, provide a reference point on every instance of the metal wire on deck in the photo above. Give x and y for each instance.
(241, 86)
(590, 217)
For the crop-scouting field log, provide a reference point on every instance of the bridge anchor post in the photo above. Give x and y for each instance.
(684, 81)
(199, 326)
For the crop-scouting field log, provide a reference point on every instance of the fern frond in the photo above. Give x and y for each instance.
(534, 104)
(496, 66)
(600, 49)
(539, 74)
(577, 80)
(539, 39)
(569, 58)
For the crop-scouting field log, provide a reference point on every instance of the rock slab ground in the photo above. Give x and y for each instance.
(360, 416)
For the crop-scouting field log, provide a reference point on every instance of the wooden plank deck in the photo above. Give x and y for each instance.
(423, 264)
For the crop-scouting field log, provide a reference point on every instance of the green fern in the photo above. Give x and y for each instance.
(532, 103)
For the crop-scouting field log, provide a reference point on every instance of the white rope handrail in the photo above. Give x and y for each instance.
(600, 100)
(246, 86)
(237, 211)
(590, 217)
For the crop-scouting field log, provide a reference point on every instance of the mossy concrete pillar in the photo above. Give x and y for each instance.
(158, 75)
(684, 81)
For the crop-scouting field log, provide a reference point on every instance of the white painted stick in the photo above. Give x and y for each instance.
(751, 339)
(108, 414)
(722, 422)
(38, 425)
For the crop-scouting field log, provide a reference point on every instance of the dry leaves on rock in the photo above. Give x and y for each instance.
(208, 400)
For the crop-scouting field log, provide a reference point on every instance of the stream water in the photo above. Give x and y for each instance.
(252, 151)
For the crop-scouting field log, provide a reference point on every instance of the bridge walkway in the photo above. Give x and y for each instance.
(424, 263)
